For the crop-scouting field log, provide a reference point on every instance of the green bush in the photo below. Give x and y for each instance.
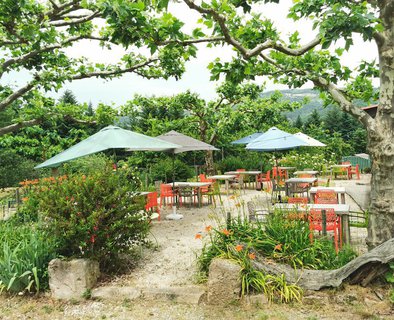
(90, 216)
(249, 162)
(24, 256)
(14, 168)
(164, 170)
(302, 160)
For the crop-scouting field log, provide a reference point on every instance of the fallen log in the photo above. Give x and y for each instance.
(362, 270)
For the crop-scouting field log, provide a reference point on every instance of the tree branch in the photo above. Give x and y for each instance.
(246, 53)
(190, 41)
(113, 72)
(64, 23)
(344, 103)
(17, 94)
(34, 53)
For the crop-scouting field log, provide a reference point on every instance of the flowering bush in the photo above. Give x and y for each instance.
(93, 216)
(306, 160)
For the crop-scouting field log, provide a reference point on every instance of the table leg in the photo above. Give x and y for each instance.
(199, 197)
(343, 198)
(226, 183)
(345, 228)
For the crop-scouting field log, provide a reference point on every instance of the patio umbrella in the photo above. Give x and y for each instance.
(275, 140)
(110, 137)
(247, 139)
(186, 143)
(309, 140)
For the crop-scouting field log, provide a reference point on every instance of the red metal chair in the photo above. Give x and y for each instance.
(166, 192)
(265, 177)
(326, 196)
(354, 170)
(152, 204)
(298, 200)
(294, 214)
(333, 223)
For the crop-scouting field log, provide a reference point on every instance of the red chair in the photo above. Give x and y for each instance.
(326, 196)
(294, 214)
(265, 177)
(299, 200)
(166, 192)
(151, 203)
(333, 223)
(201, 177)
(354, 170)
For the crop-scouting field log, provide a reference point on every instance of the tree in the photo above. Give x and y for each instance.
(313, 120)
(68, 97)
(298, 123)
(34, 36)
(262, 51)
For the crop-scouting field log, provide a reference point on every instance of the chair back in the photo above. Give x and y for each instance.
(165, 190)
(299, 200)
(151, 200)
(201, 177)
(326, 196)
(316, 219)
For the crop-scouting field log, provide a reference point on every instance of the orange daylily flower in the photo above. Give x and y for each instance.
(226, 232)
(239, 247)
(25, 199)
(252, 256)
(198, 236)
(278, 247)
(208, 228)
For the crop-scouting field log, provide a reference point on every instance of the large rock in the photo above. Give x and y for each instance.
(224, 283)
(72, 279)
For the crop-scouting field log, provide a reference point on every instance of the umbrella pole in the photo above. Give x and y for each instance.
(174, 215)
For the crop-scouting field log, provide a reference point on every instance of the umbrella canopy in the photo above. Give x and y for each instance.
(275, 140)
(247, 139)
(186, 143)
(309, 140)
(110, 137)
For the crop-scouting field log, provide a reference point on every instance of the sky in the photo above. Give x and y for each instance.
(196, 77)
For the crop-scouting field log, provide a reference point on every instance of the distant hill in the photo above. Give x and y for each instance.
(314, 102)
(298, 95)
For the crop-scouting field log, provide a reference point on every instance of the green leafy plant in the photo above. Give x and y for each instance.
(24, 256)
(94, 216)
(390, 279)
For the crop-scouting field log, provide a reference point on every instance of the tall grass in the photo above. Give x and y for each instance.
(24, 256)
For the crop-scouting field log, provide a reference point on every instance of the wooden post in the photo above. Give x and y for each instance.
(228, 220)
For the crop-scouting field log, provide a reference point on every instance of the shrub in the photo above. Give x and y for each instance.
(94, 216)
(164, 170)
(251, 161)
(14, 168)
(24, 256)
(302, 160)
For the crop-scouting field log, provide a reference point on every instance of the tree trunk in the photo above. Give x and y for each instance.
(380, 142)
(209, 162)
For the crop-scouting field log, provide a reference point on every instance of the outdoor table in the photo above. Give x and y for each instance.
(342, 210)
(340, 191)
(197, 185)
(291, 181)
(244, 173)
(313, 173)
(225, 177)
(340, 166)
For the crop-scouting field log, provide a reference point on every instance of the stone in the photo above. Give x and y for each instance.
(72, 279)
(224, 283)
(188, 294)
(257, 300)
(115, 293)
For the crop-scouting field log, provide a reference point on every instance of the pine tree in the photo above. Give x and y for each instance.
(90, 111)
(68, 97)
(298, 123)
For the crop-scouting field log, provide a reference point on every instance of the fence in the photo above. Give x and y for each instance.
(363, 163)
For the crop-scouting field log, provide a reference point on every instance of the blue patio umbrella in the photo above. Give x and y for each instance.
(247, 139)
(275, 139)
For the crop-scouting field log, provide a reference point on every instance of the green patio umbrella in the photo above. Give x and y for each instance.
(110, 137)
